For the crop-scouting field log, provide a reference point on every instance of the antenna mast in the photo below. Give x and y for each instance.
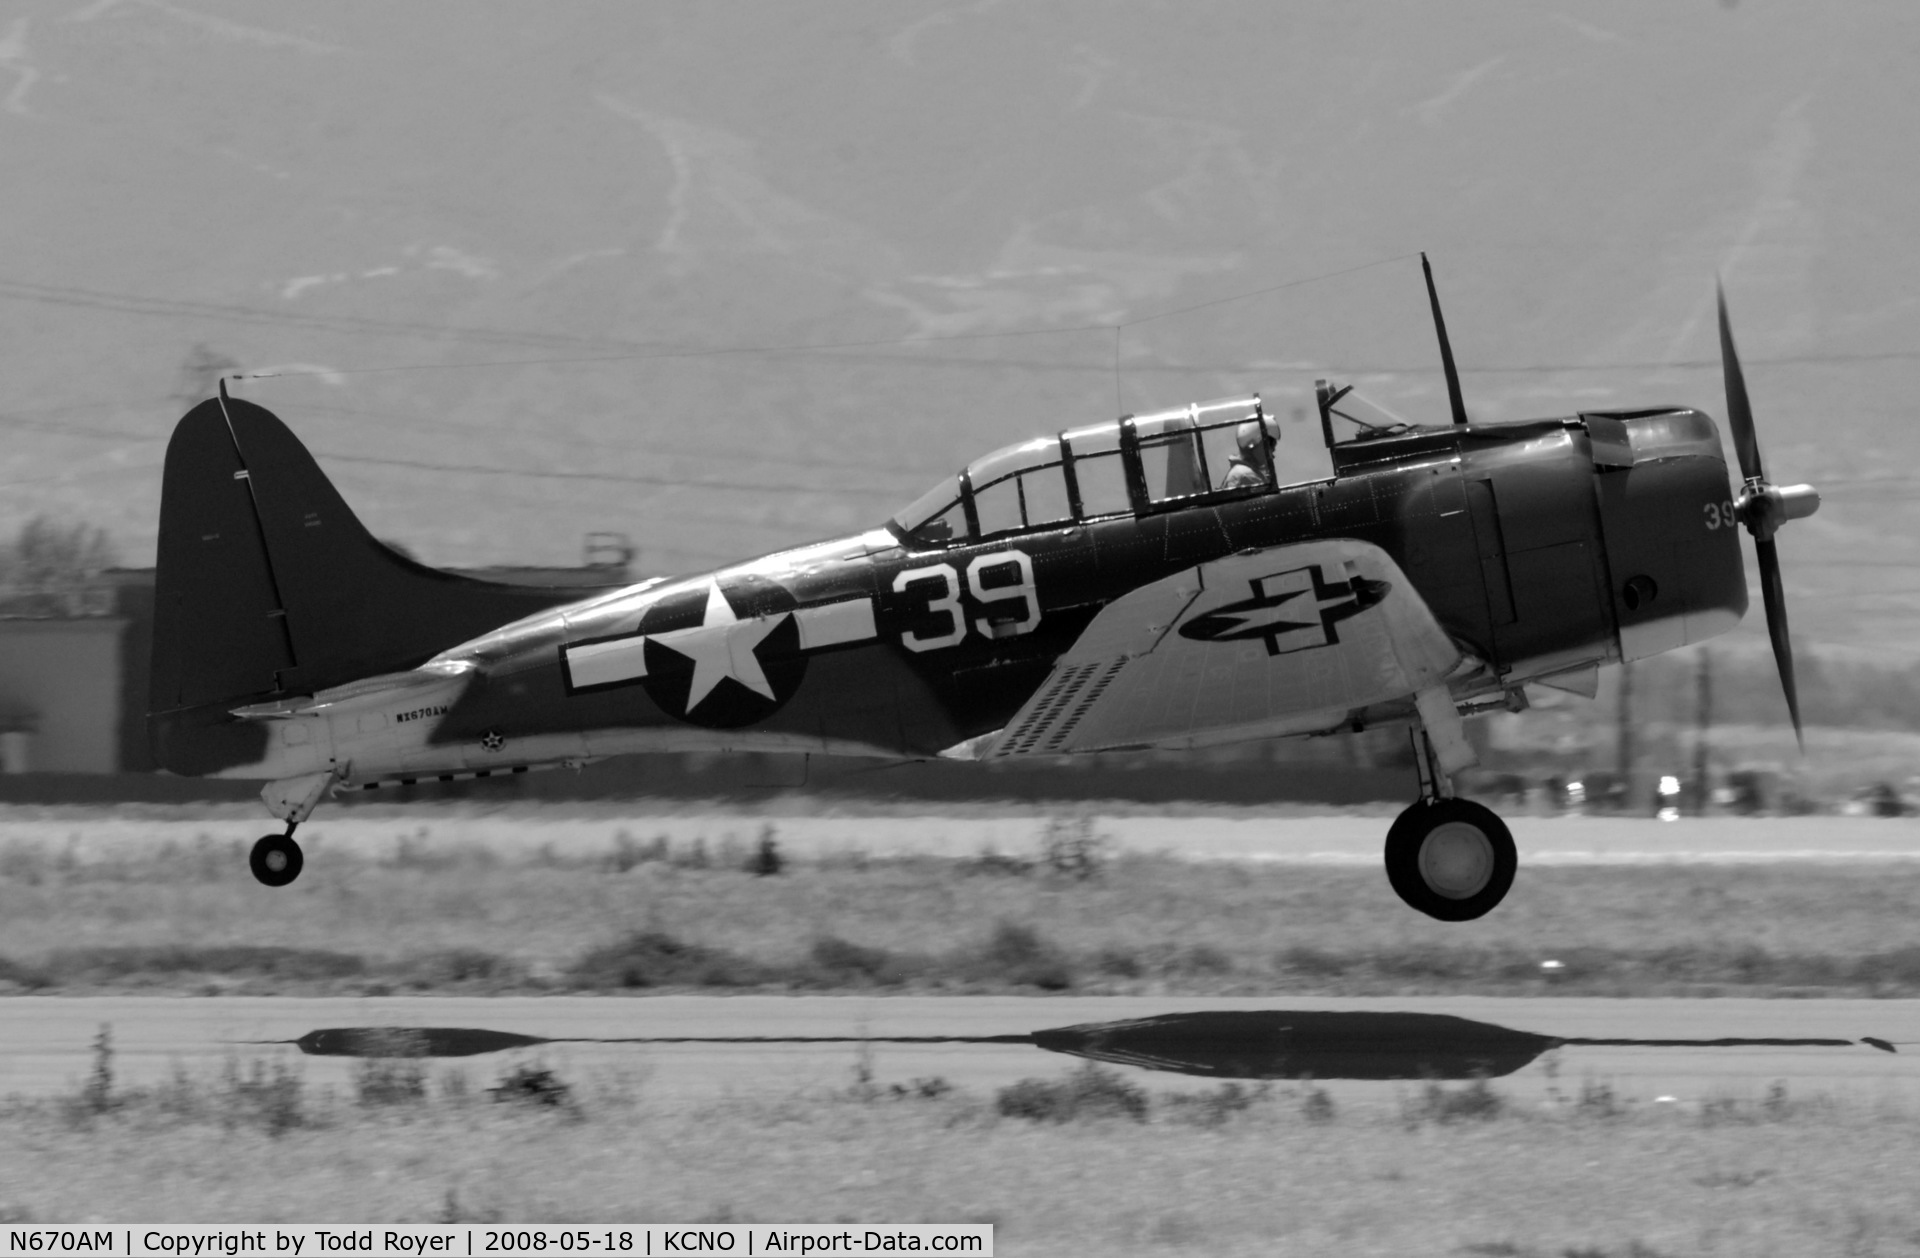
(1446, 349)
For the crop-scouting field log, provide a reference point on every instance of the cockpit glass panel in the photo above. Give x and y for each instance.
(935, 516)
(1186, 452)
(949, 526)
(1098, 470)
(1360, 419)
(1020, 487)
(1043, 496)
(1195, 450)
(1675, 434)
(1103, 484)
(1036, 453)
(1170, 455)
(998, 506)
(1097, 439)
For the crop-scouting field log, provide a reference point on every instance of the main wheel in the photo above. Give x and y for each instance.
(1450, 858)
(276, 860)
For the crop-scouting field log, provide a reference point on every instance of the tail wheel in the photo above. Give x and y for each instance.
(276, 860)
(1451, 859)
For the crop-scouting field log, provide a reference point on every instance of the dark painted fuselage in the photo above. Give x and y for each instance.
(1541, 548)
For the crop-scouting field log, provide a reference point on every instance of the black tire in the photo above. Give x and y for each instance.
(276, 860)
(1451, 859)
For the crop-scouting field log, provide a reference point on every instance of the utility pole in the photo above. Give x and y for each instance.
(1703, 721)
(1624, 744)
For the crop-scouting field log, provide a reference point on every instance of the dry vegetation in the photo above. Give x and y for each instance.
(647, 914)
(1076, 1163)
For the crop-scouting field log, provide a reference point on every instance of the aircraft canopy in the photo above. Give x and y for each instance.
(1137, 464)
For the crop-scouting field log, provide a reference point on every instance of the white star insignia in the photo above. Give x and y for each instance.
(721, 646)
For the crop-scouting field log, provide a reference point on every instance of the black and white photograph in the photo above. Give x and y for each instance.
(1025, 627)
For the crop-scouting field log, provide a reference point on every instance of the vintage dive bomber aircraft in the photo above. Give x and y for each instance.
(1138, 583)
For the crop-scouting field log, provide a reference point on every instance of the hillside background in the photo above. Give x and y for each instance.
(545, 270)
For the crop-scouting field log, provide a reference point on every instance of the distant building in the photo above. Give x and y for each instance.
(73, 688)
(62, 694)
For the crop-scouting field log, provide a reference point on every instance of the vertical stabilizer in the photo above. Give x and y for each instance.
(268, 586)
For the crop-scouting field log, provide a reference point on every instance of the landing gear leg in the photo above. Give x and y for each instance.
(276, 859)
(1450, 858)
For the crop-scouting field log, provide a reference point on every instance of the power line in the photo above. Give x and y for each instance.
(649, 447)
(1262, 292)
(627, 350)
(613, 477)
(357, 325)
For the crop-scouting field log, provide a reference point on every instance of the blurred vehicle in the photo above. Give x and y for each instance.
(1666, 798)
(1882, 799)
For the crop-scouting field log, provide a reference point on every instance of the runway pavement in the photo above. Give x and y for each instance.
(45, 1041)
(1203, 835)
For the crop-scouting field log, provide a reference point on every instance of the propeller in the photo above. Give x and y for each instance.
(1763, 508)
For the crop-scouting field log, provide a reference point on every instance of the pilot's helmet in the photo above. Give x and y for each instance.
(1250, 436)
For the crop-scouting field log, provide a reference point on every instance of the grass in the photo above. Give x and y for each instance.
(1084, 1161)
(646, 916)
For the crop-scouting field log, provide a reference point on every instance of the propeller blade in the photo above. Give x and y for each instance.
(1776, 600)
(1746, 443)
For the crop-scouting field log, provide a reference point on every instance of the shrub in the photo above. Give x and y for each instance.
(1020, 955)
(1070, 848)
(1204, 959)
(766, 860)
(460, 965)
(392, 1069)
(110, 964)
(267, 1097)
(654, 958)
(1899, 968)
(930, 1089)
(453, 1210)
(96, 1097)
(626, 853)
(1775, 1107)
(1597, 1100)
(993, 863)
(833, 961)
(1214, 1108)
(1088, 1093)
(1313, 962)
(533, 1085)
(1316, 1106)
(1474, 1103)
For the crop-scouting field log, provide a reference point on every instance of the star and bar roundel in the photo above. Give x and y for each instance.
(1290, 611)
(719, 657)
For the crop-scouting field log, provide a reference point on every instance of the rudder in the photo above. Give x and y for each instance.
(269, 586)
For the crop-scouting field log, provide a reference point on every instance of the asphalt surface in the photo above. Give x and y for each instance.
(1338, 840)
(45, 1042)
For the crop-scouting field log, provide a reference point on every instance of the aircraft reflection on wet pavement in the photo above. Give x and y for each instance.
(1219, 1044)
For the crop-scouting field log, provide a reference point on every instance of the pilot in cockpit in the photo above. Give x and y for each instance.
(1252, 467)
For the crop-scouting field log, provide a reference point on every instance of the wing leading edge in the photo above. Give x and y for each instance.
(1287, 640)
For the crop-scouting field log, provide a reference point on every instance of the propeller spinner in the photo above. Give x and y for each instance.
(1763, 508)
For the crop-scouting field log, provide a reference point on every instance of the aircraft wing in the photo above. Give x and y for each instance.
(1286, 640)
